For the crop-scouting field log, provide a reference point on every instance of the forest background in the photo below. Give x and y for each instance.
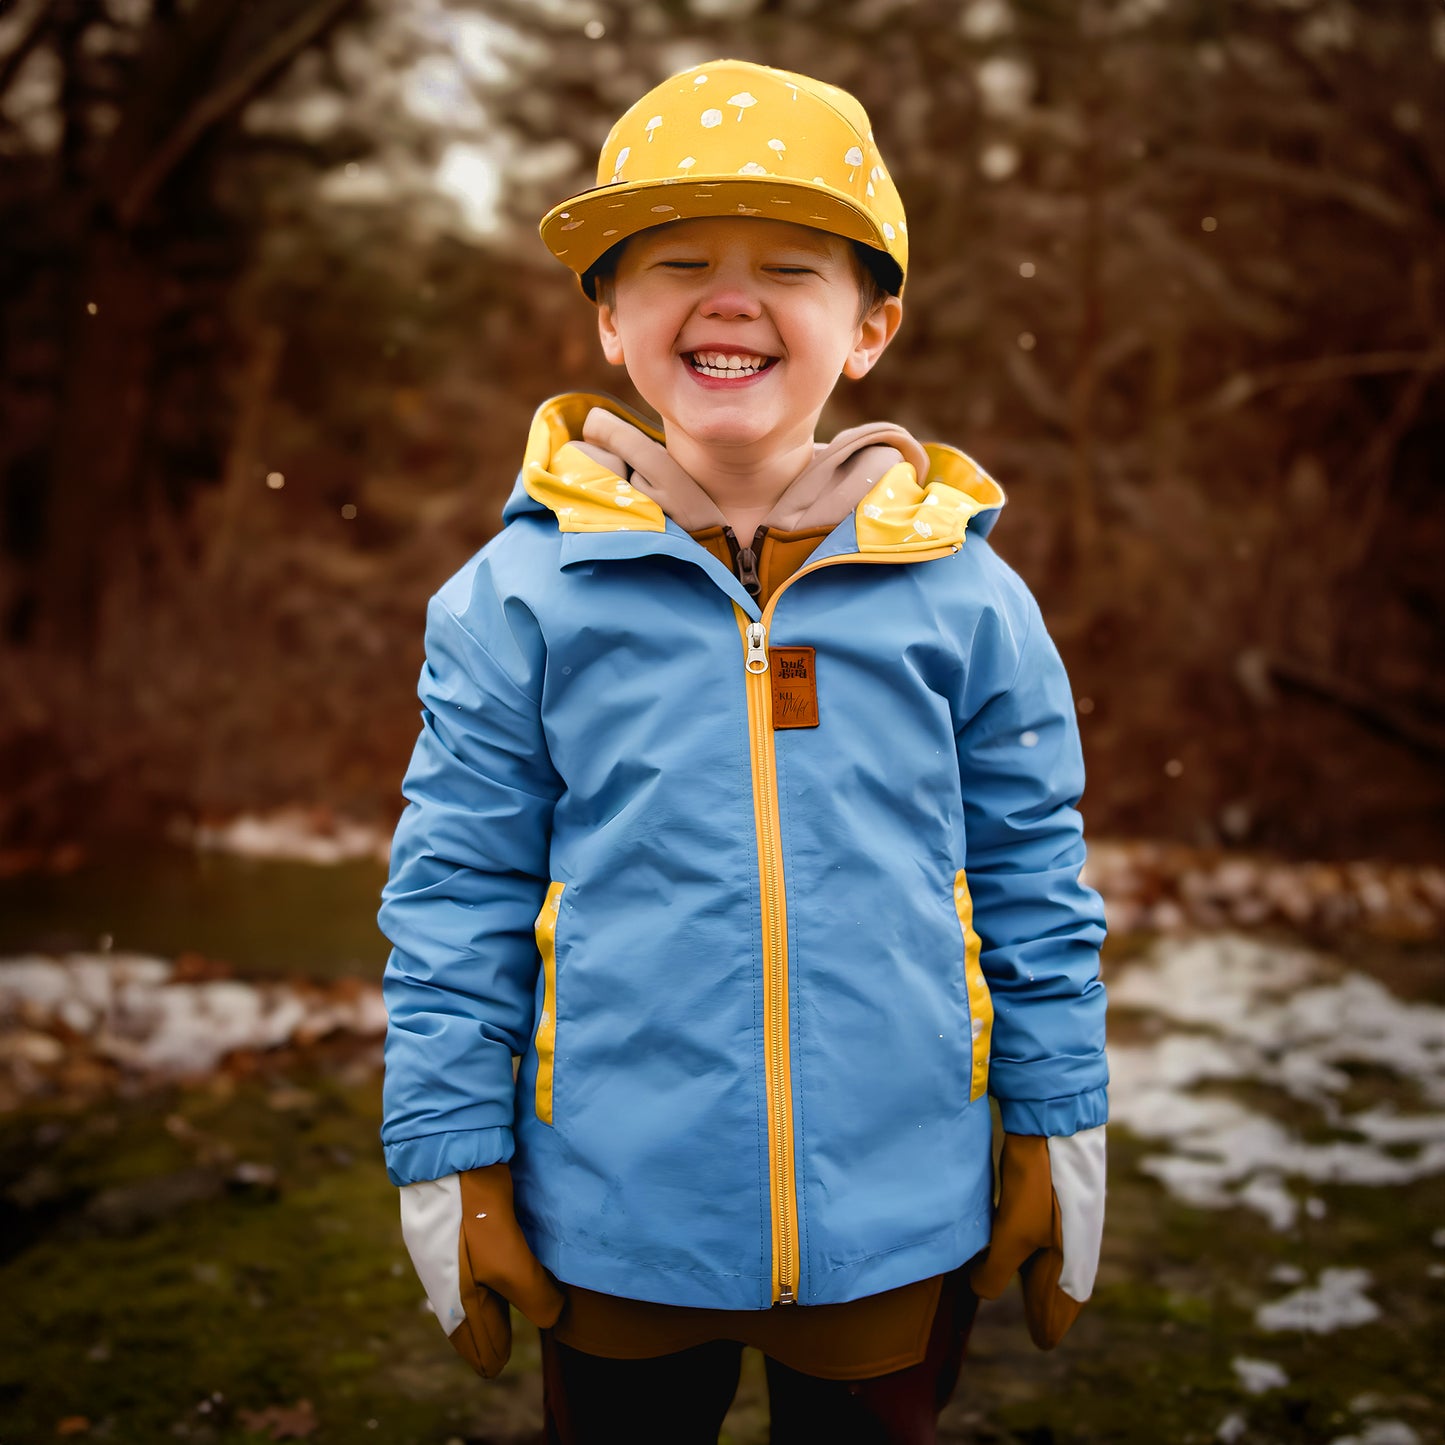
(274, 318)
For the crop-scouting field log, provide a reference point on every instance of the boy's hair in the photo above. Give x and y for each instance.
(877, 277)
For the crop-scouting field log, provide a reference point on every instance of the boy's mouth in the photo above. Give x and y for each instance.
(728, 365)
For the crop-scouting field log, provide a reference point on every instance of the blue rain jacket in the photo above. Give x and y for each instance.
(761, 980)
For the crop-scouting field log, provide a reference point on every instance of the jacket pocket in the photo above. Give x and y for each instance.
(980, 1001)
(546, 1039)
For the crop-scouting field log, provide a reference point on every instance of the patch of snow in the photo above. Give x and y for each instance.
(1267, 1014)
(1232, 1428)
(1178, 1060)
(132, 1011)
(1337, 1302)
(1267, 1195)
(1256, 1377)
(294, 836)
(1381, 1432)
(190, 1027)
(1384, 1126)
(1213, 979)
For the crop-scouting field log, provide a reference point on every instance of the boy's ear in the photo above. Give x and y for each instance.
(607, 329)
(875, 331)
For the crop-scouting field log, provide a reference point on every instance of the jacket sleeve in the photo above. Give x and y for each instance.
(468, 877)
(1040, 928)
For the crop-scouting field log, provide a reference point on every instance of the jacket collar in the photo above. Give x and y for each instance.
(900, 514)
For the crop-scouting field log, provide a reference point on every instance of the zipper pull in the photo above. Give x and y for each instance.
(745, 559)
(757, 659)
(747, 568)
(787, 1297)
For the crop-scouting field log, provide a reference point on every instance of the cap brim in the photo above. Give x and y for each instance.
(581, 230)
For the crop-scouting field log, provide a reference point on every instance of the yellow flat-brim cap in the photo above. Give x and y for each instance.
(730, 138)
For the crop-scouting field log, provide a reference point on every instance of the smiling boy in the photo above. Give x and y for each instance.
(744, 814)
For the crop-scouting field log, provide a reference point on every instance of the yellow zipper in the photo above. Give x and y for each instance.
(777, 1056)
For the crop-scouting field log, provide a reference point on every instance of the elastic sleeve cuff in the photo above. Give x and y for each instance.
(1055, 1117)
(413, 1161)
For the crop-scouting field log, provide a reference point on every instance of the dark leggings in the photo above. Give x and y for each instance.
(681, 1399)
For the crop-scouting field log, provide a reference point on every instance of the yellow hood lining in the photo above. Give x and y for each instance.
(897, 515)
(584, 496)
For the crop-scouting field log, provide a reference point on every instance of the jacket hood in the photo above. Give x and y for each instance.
(599, 467)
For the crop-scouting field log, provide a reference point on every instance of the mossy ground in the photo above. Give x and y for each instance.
(1151, 1359)
(159, 1306)
(159, 1290)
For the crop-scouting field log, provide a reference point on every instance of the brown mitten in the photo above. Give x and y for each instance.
(473, 1261)
(1047, 1228)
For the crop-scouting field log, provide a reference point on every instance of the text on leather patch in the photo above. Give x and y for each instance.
(795, 687)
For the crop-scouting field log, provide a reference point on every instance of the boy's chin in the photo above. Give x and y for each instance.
(733, 418)
(740, 429)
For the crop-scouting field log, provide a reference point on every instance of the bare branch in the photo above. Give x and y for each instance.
(1364, 703)
(1419, 161)
(225, 95)
(1373, 472)
(1301, 180)
(1038, 390)
(1244, 386)
(1213, 279)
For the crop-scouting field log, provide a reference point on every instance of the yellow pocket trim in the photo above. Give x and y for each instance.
(546, 1040)
(980, 1001)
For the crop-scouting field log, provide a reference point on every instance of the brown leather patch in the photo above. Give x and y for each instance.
(795, 687)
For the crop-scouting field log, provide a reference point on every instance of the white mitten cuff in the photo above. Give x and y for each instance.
(431, 1225)
(1076, 1163)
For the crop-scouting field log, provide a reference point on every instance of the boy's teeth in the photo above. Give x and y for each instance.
(727, 363)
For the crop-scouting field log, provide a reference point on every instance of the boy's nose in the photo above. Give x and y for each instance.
(728, 298)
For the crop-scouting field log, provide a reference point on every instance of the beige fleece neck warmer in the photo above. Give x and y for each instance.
(840, 475)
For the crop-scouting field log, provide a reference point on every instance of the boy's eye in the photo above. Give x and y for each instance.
(682, 265)
(792, 270)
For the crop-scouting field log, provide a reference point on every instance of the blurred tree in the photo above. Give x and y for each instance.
(1177, 282)
(111, 176)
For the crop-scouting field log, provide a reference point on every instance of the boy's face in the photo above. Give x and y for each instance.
(781, 298)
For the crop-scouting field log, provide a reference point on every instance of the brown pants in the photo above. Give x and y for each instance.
(681, 1399)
